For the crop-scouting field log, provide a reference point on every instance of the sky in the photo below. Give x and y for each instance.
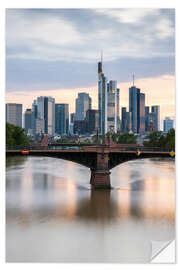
(54, 52)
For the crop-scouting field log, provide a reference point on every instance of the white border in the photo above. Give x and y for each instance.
(75, 4)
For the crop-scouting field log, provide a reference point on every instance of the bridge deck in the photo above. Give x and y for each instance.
(89, 150)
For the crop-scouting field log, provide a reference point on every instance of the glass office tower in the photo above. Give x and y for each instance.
(141, 113)
(112, 106)
(123, 120)
(28, 124)
(46, 111)
(92, 121)
(83, 103)
(14, 114)
(137, 109)
(155, 110)
(102, 100)
(168, 123)
(133, 93)
(62, 119)
(147, 118)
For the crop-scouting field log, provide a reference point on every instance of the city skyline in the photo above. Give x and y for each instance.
(151, 57)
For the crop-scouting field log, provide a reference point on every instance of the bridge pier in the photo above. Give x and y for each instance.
(100, 176)
(100, 179)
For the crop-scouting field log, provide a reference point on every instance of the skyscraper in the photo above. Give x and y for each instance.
(62, 119)
(128, 127)
(92, 121)
(83, 103)
(46, 111)
(102, 100)
(79, 127)
(167, 124)
(133, 98)
(14, 114)
(137, 109)
(155, 110)
(72, 115)
(141, 113)
(34, 116)
(39, 126)
(118, 102)
(28, 123)
(123, 120)
(146, 118)
(112, 106)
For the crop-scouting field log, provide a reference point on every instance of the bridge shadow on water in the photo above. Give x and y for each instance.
(99, 207)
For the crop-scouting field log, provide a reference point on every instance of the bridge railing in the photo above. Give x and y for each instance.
(144, 149)
(67, 147)
(39, 147)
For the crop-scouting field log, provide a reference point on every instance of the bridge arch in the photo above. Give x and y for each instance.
(100, 159)
(115, 159)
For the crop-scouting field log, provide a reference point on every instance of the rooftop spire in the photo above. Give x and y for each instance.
(133, 79)
(100, 64)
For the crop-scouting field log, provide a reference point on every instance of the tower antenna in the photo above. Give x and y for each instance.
(101, 57)
(133, 79)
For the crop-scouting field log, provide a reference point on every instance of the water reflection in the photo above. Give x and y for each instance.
(50, 199)
(99, 207)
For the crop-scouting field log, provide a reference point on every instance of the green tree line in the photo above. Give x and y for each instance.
(124, 138)
(158, 139)
(15, 136)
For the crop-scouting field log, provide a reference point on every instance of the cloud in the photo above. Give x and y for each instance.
(129, 15)
(79, 35)
(36, 75)
(164, 28)
(44, 29)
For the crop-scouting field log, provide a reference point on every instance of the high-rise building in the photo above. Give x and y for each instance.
(62, 119)
(14, 114)
(141, 128)
(83, 103)
(28, 121)
(137, 108)
(118, 117)
(167, 124)
(133, 105)
(151, 122)
(39, 126)
(102, 100)
(79, 127)
(123, 120)
(108, 103)
(112, 106)
(34, 115)
(71, 125)
(92, 121)
(147, 118)
(128, 126)
(46, 111)
(72, 117)
(155, 110)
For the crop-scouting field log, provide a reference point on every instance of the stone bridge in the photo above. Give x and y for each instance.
(99, 158)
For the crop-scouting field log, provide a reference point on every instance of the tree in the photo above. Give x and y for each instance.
(15, 136)
(63, 140)
(157, 139)
(126, 138)
(170, 138)
(10, 141)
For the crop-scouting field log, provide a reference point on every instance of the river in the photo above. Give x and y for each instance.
(53, 215)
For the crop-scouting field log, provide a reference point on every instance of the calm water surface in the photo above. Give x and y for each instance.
(54, 216)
